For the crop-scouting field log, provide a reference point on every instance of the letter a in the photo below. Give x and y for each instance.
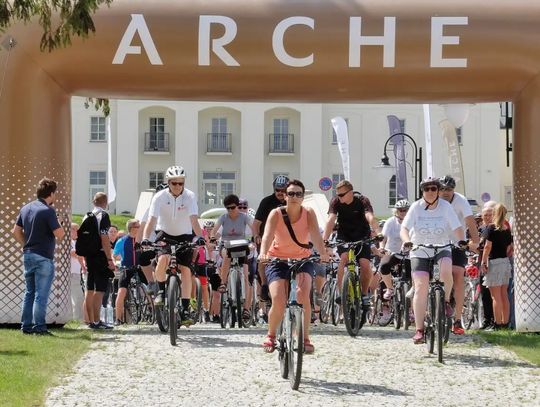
(137, 25)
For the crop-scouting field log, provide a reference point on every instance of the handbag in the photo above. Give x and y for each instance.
(291, 230)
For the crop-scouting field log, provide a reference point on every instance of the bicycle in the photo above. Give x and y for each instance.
(330, 310)
(138, 305)
(290, 333)
(435, 321)
(401, 304)
(232, 300)
(472, 306)
(354, 308)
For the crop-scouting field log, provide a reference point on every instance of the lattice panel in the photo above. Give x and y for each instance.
(18, 181)
(527, 246)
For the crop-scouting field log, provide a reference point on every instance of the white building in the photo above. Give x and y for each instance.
(240, 147)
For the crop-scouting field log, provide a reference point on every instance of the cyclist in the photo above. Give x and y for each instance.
(243, 207)
(354, 214)
(277, 242)
(267, 204)
(392, 244)
(459, 260)
(174, 215)
(233, 224)
(430, 220)
(201, 255)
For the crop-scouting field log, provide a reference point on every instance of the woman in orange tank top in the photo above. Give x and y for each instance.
(277, 242)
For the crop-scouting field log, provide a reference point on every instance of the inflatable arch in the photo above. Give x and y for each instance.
(271, 50)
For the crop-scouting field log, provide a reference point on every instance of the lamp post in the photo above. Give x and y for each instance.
(417, 168)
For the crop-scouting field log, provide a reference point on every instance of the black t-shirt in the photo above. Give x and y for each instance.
(265, 207)
(351, 218)
(500, 240)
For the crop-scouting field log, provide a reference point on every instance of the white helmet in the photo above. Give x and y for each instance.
(402, 203)
(175, 172)
(209, 223)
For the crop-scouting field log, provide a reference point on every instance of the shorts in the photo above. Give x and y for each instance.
(128, 274)
(281, 271)
(98, 273)
(459, 258)
(389, 261)
(498, 273)
(200, 270)
(365, 253)
(319, 270)
(146, 257)
(213, 277)
(252, 270)
(420, 264)
(184, 257)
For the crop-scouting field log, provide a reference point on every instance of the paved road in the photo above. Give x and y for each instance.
(218, 367)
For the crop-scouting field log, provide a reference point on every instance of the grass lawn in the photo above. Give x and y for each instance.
(31, 364)
(118, 220)
(525, 345)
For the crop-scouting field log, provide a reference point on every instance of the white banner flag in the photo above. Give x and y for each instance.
(342, 134)
(454, 155)
(111, 190)
(429, 153)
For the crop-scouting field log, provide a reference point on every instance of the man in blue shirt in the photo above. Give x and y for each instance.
(36, 229)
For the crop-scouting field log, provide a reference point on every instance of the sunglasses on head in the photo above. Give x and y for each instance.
(282, 190)
(343, 194)
(176, 184)
(232, 207)
(430, 189)
(298, 194)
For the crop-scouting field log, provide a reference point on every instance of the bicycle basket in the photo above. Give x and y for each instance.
(237, 248)
(472, 271)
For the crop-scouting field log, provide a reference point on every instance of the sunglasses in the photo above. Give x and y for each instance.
(402, 210)
(176, 184)
(430, 189)
(242, 207)
(283, 191)
(230, 208)
(343, 194)
(298, 194)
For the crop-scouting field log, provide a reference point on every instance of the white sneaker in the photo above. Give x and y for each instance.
(410, 293)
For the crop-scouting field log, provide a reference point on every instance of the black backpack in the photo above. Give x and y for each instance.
(88, 240)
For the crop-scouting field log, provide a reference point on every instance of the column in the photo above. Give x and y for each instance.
(252, 153)
(186, 142)
(311, 146)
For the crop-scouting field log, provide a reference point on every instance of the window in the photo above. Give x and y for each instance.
(219, 140)
(156, 178)
(216, 186)
(157, 139)
(336, 178)
(392, 191)
(334, 135)
(281, 141)
(98, 182)
(98, 131)
(402, 125)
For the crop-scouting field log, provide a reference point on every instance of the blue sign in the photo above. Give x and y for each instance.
(325, 184)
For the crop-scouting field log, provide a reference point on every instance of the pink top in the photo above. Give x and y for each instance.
(201, 257)
(283, 246)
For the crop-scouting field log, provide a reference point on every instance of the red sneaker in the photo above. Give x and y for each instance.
(418, 337)
(457, 329)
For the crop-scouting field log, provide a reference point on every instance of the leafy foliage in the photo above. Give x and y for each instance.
(99, 104)
(74, 18)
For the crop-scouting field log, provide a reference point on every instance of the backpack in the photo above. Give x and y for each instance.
(88, 240)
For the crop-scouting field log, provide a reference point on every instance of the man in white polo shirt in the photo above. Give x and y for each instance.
(464, 213)
(174, 216)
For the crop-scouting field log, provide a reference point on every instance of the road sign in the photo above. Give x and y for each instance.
(325, 184)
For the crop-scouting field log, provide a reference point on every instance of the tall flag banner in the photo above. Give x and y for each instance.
(427, 132)
(342, 134)
(398, 142)
(111, 189)
(454, 154)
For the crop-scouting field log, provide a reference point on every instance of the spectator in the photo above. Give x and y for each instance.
(77, 283)
(36, 229)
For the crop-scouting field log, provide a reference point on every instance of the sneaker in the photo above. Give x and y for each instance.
(457, 329)
(388, 293)
(418, 337)
(366, 302)
(160, 298)
(206, 317)
(100, 325)
(43, 333)
(410, 293)
(448, 310)
(186, 318)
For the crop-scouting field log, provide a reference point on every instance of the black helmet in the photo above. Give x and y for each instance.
(447, 182)
(281, 182)
(430, 181)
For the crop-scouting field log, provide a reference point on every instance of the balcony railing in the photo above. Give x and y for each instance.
(158, 142)
(218, 143)
(281, 143)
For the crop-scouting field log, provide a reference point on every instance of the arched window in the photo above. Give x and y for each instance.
(392, 193)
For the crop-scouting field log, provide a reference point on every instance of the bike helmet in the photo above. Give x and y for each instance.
(430, 181)
(447, 182)
(281, 182)
(402, 203)
(243, 202)
(251, 212)
(209, 223)
(175, 172)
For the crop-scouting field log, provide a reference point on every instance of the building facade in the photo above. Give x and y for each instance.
(240, 147)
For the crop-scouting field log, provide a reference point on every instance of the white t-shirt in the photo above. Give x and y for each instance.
(173, 214)
(75, 265)
(432, 226)
(462, 208)
(391, 231)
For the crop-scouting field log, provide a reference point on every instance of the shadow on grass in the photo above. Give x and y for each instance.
(14, 353)
(333, 389)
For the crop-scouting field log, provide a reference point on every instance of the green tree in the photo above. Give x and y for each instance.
(74, 18)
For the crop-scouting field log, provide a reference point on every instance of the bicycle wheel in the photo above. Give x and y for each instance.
(239, 306)
(197, 311)
(326, 306)
(336, 308)
(469, 309)
(429, 331)
(173, 297)
(162, 316)
(224, 310)
(254, 302)
(140, 295)
(406, 306)
(296, 348)
(350, 298)
(440, 318)
(397, 302)
(283, 356)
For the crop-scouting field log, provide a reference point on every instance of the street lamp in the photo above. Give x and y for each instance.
(417, 168)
